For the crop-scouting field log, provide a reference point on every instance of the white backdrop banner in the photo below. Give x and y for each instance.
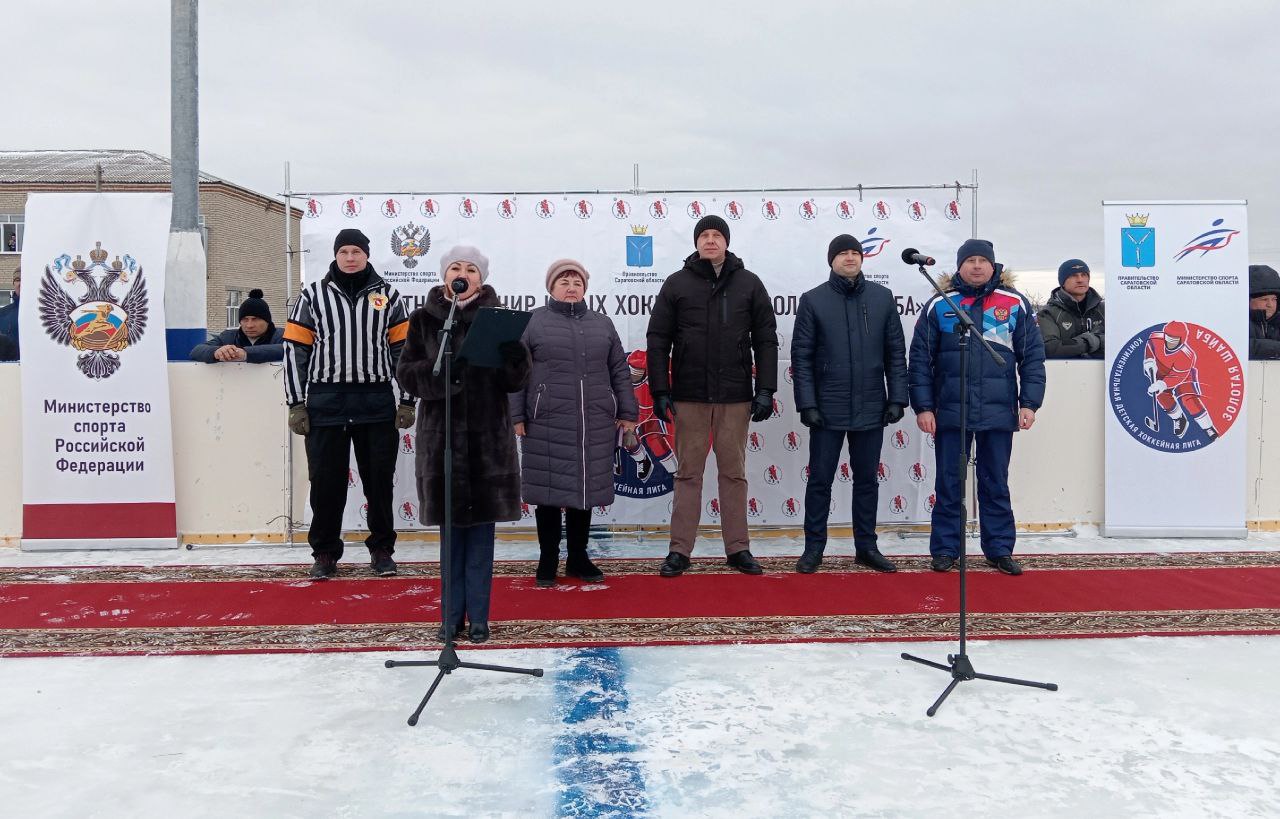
(630, 244)
(1177, 350)
(97, 446)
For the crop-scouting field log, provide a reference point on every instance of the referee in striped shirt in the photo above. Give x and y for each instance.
(341, 346)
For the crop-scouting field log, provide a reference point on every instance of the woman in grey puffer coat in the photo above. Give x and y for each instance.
(579, 394)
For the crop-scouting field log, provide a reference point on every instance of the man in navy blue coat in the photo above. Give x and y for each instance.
(848, 356)
(1001, 400)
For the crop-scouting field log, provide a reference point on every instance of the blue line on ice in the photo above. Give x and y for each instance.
(594, 753)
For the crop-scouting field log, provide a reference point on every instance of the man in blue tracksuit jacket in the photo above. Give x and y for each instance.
(1001, 400)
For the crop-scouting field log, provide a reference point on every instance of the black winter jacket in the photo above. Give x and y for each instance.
(579, 387)
(1063, 320)
(711, 328)
(270, 346)
(848, 343)
(1264, 334)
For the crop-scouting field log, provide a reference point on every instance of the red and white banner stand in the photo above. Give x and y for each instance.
(630, 244)
(97, 446)
(1177, 358)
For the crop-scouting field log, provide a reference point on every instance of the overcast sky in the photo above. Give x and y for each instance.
(1058, 105)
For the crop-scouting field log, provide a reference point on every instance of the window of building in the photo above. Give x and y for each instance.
(11, 229)
(6, 297)
(234, 298)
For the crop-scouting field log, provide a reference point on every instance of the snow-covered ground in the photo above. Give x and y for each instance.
(1140, 727)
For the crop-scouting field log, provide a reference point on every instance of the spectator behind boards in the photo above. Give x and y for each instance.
(9, 316)
(1264, 321)
(257, 340)
(1071, 321)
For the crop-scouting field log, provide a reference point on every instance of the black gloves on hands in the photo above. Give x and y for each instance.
(762, 406)
(1092, 341)
(810, 418)
(892, 414)
(664, 409)
(512, 352)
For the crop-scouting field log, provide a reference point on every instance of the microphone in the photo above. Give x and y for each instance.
(913, 256)
(459, 286)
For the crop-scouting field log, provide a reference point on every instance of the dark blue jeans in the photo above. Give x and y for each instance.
(824, 455)
(470, 573)
(995, 513)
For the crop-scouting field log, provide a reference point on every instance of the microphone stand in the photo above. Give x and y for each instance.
(448, 661)
(959, 665)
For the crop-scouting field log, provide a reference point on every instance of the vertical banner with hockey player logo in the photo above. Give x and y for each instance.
(1177, 349)
(630, 244)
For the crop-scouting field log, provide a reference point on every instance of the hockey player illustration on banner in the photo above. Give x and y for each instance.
(1186, 394)
(651, 449)
(1170, 366)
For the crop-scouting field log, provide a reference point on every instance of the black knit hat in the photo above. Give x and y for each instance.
(976, 247)
(711, 222)
(350, 236)
(840, 244)
(255, 306)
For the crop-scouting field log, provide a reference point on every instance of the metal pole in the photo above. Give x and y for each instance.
(973, 215)
(186, 265)
(288, 297)
(184, 122)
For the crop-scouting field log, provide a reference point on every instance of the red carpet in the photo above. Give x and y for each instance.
(208, 609)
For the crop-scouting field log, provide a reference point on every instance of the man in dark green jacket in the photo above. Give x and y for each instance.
(1072, 320)
(713, 320)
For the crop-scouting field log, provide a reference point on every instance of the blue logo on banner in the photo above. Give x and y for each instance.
(1137, 242)
(1215, 239)
(639, 247)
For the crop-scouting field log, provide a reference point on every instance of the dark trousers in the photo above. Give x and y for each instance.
(864, 458)
(577, 524)
(470, 578)
(328, 460)
(995, 513)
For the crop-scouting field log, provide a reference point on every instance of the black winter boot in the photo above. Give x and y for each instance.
(580, 566)
(548, 520)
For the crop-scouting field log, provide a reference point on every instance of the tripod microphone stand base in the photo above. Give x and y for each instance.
(447, 663)
(962, 671)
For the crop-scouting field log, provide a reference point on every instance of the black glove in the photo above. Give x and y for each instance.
(664, 409)
(892, 414)
(811, 418)
(512, 352)
(762, 406)
(1091, 341)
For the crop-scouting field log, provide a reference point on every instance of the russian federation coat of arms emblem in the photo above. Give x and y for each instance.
(96, 323)
(409, 242)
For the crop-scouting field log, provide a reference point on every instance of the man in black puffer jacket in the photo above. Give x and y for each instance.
(711, 320)
(848, 346)
(1264, 319)
(1072, 320)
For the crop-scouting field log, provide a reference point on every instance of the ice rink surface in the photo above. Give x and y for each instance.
(1141, 727)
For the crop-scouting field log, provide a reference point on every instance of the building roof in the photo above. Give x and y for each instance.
(118, 167)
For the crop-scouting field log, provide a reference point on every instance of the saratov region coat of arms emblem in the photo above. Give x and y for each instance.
(96, 323)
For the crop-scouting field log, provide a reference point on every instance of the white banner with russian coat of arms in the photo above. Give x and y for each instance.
(1177, 348)
(630, 244)
(97, 444)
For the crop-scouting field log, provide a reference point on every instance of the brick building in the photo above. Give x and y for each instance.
(243, 229)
